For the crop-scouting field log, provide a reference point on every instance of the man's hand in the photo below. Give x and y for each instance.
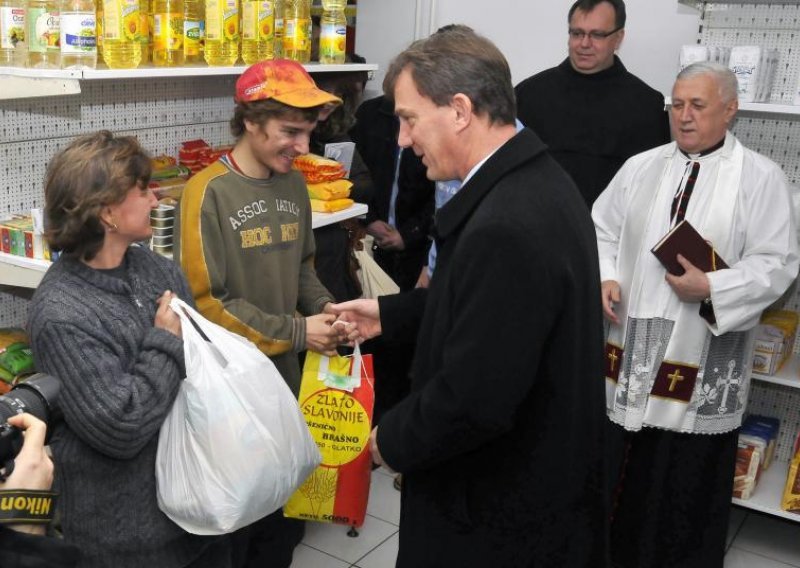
(365, 314)
(386, 236)
(378, 229)
(693, 285)
(393, 240)
(33, 469)
(610, 295)
(320, 335)
(377, 458)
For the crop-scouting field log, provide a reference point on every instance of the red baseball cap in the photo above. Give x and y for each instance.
(285, 81)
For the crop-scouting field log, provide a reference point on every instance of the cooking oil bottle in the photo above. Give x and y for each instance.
(277, 40)
(121, 46)
(99, 27)
(145, 30)
(333, 32)
(221, 46)
(258, 25)
(43, 34)
(297, 30)
(194, 24)
(78, 27)
(168, 32)
(12, 31)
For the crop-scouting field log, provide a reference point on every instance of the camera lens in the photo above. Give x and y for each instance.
(37, 396)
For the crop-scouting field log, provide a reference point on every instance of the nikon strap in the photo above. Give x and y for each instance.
(27, 506)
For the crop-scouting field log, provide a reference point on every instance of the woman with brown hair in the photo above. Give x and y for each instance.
(100, 322)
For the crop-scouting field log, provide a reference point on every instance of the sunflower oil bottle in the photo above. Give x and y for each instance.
(168, 32)
(121, 46)
(194, 24)
(43, 34)
(333, 32)
(258, 30)
(78, 27)
(12, 31)
(145, 30)
(99, 27)
(297, 30)
(277, 40)
(221, 46)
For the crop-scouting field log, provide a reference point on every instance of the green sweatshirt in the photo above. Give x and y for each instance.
(247, 248)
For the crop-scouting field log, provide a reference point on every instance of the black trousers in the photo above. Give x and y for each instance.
(267, 543)
(671, 497)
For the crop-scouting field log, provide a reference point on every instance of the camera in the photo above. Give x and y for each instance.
(38, 396)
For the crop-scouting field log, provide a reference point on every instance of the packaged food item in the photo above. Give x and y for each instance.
(328, 190)
(765, 427)
(316, 169)
(774, 340)
(330, 206)
(161, 162)
(746, 63)
(746, 473)
(17, 359)
(191, 154)
(791, 491)
(336, 398)
(692, 54)
(754, 68)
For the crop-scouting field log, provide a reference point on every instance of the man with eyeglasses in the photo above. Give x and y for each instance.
(591, 112)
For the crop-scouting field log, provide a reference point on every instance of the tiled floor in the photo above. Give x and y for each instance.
(754, 540)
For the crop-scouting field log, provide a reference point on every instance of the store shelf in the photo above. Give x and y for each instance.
(19, 82)
(758, 108)
(787, 376)
(768, 108)
(769, 491)
(23, 272)
(321, 219)
(698, 4)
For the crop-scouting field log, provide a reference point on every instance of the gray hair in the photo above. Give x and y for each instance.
(724, 77)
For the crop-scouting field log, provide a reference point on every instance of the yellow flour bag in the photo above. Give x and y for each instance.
(336, 398)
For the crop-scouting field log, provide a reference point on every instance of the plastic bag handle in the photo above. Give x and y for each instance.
(185, 312)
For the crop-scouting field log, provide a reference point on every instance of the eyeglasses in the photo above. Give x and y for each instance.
(594, 35)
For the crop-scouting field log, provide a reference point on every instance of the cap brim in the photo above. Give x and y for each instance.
(307, 98)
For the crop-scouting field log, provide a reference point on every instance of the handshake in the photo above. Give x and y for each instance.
(342, 324)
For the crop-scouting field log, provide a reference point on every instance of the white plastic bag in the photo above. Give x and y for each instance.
(374, 281)
(235, 445)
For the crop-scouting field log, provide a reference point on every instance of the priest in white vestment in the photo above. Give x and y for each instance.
(679, 348)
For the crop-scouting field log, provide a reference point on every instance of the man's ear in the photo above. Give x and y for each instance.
(462, 105)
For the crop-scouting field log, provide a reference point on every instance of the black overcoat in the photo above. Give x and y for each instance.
(501, 439)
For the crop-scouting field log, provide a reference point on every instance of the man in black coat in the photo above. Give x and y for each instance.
(592, 113)
(501, 440)
(400, 225)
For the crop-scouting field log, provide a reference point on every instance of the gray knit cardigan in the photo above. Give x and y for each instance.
(119, 378)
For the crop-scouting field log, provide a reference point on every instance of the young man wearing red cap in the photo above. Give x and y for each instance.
(247, 247)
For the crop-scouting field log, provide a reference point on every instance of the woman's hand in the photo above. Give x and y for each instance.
(165, 318)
